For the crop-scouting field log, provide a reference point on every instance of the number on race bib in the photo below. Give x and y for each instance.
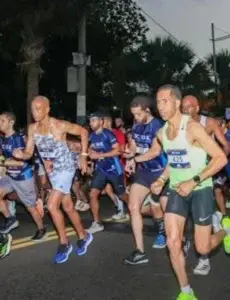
(178, 159)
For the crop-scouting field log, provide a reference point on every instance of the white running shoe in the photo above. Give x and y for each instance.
(84, 206)
(78, 204)
(203, 267)
(95, 227)
(216, 221)
(119, 216)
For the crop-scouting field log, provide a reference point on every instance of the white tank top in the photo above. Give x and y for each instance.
(203, 120)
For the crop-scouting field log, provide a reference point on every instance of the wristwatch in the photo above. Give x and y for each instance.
(197, 179)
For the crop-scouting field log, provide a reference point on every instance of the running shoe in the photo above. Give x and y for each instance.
(5, 245)
(160, 242)
(186, 244)
(40, 234)
(136, 258)
(226, 226)
(95, 227)
(63, 253)
(203, 267)
(82, 245)
(120, 215)
(10, 224)
(83, 206)
(216, 221)
(184, 296)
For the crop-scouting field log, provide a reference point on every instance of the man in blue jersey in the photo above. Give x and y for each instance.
(104, 151)
(149, 163)
(19, 178)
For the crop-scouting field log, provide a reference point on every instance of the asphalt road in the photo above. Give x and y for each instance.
(28, 273)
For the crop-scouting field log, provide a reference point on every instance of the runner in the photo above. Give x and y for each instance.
(190, 106)
(49, 136)
(150, 163)
(120, 137)
(19, 178)
(104, 150)
(187, 145)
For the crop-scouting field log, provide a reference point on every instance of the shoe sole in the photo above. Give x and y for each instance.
(8, 246)
(200, 273)
(92, 232)
(13, 226)
(159, 247)
(86, 246)
(67, 257)
(40, 240)
(145, 261)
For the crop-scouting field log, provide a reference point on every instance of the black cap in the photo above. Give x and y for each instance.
(97, 114)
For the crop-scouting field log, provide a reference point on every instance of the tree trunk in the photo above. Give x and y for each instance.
(32, 87)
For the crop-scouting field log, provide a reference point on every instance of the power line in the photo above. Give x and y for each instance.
(223, 30)
(164, 29)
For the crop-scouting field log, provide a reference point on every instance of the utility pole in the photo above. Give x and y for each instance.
(214, 58)
(81, 95)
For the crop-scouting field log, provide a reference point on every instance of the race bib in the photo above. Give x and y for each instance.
(47, 155)
(178, 159)
(140, 150)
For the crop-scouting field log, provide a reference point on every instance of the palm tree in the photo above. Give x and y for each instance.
(35, 24)
(163, 61)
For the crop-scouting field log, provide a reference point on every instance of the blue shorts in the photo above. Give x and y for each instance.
(100, 179)
(146, 177)
(62, 181)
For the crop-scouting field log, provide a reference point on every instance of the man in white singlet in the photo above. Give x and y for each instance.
(187, 145)
(190, 106)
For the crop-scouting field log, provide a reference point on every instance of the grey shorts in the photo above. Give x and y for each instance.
(199, 203)
(25, 189)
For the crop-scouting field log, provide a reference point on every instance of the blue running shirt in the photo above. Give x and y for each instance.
(143, 136)
(7, 145)
(102, 142)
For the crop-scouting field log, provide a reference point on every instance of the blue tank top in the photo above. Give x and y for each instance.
(8, 145)
(102, 142)
(143, 136)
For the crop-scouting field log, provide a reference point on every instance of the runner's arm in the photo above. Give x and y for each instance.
(114, 152)
(11, 163)
(165, 175)
(77, 130)
(153, 152)
(26, 154)
(219, 135)
(218, 158)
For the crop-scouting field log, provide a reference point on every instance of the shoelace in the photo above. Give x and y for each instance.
(62, 248)
(80, 243)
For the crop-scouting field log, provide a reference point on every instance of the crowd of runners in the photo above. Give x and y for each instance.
(168, 167)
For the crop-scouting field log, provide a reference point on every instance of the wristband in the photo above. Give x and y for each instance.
(84, 154)
(163, 178)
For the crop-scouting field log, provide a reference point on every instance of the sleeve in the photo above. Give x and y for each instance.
(111, 138)
(19, 142)
(133, 131)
